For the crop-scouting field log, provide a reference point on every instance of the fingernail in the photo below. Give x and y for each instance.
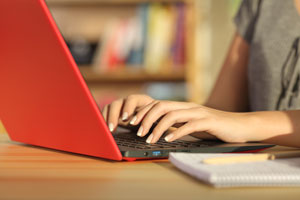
(133, 120)
(168, 137)
(111, 127)
(125, 116)
(140, 131)
(149, 139)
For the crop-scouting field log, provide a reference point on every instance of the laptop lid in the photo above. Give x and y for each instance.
(44, 99)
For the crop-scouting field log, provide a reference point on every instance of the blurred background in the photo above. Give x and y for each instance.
(168, 49)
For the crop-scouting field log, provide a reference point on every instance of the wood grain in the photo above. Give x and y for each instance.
(28, 172)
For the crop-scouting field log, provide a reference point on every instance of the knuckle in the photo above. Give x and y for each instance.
(114, 103)
(146, 97)
(171, 115)
(155, 102)
(160, 106)
(131, 97)
(193, 124)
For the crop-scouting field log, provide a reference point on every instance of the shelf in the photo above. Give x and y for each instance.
(129, 76)
(86, 2)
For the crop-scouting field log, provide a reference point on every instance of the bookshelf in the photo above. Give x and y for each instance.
(101, 2)
(129, 76)
(88, 19)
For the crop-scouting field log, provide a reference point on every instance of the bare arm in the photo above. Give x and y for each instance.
(276, 127)
(230, 92)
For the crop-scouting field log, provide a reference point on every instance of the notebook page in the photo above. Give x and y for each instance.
(281, 172)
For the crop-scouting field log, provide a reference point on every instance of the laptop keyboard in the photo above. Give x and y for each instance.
(130, 140)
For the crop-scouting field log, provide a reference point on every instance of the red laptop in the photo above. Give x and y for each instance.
(45, 101)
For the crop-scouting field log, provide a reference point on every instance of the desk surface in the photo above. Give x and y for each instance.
(28, 172)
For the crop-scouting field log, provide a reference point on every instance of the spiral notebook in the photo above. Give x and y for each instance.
(280, 172)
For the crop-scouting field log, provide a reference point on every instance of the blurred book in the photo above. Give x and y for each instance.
(178, 48)
(109, 52)
(160, 31)
(82, 50)
(136, 57)
(153, 39)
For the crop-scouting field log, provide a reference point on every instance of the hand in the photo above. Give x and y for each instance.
(132, 110)
(194, 119)
(189, 118)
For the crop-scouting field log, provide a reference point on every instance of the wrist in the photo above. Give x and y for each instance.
(266, 125)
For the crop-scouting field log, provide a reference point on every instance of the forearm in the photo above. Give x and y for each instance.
(276, 127)
(230, 91)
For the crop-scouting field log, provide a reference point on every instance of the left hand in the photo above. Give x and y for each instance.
(226, 126)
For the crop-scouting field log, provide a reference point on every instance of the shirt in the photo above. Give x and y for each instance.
(272, 29)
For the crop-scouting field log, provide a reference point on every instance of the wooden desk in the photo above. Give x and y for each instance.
(28, 172)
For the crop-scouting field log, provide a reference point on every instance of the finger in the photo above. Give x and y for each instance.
(114, 114)
(130, 105)
(190, 127)
(156, 112)
(104, 113)
(141, 113)
(171, 118)
(139, 117)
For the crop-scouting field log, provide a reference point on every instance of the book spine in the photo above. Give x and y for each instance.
(153, 39)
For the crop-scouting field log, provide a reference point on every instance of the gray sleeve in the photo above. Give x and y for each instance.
(246, 18)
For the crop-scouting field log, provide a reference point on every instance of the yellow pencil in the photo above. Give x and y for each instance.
(249, 158)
